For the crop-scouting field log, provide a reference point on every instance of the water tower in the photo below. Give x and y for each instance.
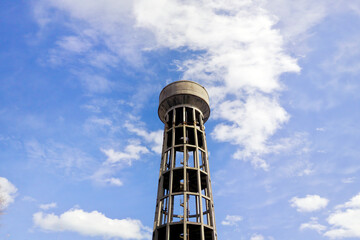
(184, 205)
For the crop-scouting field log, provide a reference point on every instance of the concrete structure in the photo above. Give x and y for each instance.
(184, 205)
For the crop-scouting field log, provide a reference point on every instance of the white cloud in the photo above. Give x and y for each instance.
(132, 152)
(114, 181)
(353, 203)
(154, 138)
(48, 206)
(309, 203)
(251, 124)
(243, 59)
(345, 224)
(231, 220)
(313, 225)
(345, 221)
(257, 237)
(117, 160)
(239, 56)
(7, 193)
(94, 224)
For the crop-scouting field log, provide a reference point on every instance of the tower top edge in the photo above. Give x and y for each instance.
(186, 82)
(184, 92)
(184, 87)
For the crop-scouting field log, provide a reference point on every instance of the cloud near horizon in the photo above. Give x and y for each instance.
(93, 224)
(345, 220)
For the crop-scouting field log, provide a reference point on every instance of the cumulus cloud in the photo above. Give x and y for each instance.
(132, 152)
(242, 60)
(313, 225)
(48, 206)
(154, 138)
(7, 193)
(238, 50)
(345, 221)
(93, 224)
(309, 203)
(231, 220)
(353, 203)
(251, 123)
(117, 160)
(239, 56)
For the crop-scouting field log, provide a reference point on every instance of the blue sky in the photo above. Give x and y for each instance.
(80, 138)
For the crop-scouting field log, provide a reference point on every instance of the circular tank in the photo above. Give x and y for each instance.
(184, 92)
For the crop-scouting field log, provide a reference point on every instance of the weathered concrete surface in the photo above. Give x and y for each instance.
(184, 92)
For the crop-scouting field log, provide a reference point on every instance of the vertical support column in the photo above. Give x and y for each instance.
(172, 163)
(184, 172)
(202, 234)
